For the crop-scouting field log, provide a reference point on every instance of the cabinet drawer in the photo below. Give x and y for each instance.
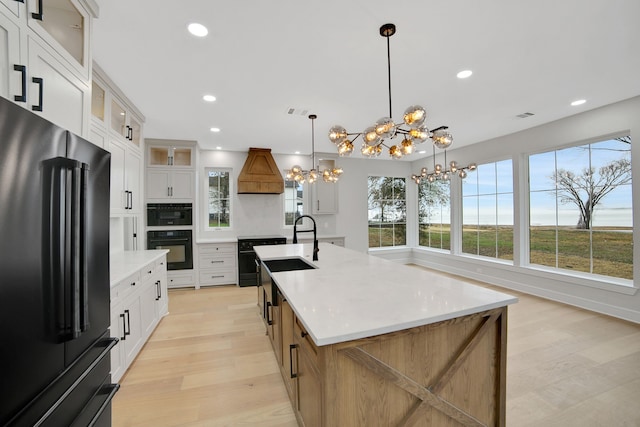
(180, 280)
(225, 248)
(217, 261)
(125, 288)
(147, 272)
(301, 336)
(217, 277)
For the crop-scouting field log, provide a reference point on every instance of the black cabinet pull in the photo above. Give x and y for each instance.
(291, 348)
(19, 1)
(269, 321)
(303, 334)
(40, 83)
(22, 69)
(128, 332)
(124, 328)
(38, 15)
(158, 295)
(130, 134)
(130, 199)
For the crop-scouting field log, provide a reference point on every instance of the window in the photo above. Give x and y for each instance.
(434, 215)
(293, 205)
(580, 212)
(218, 197)
(387, 211)
(487, 211)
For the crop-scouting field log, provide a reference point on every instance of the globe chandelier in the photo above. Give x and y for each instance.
(296, 173)
(443, 173)
(413, 131)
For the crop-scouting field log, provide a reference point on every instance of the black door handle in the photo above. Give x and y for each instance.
(291, 348)
(124, 328)
(22, 69)
(40, 82)
(269, 321)
(38, 15)
(128, 332)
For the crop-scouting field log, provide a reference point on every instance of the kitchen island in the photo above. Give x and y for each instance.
(365, 341)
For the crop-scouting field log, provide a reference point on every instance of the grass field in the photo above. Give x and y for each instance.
(612, 250)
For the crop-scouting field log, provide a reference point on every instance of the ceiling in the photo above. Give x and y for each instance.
(262, 58)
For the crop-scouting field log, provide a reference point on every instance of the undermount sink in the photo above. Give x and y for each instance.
(289, 264)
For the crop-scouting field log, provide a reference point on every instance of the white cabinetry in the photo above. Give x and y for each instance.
(137, 305)
(170, 171)
(324, 195)
(163, 184)
(116, 123)
(45, 61)
(217, 264)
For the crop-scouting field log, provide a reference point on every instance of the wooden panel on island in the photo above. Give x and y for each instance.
(450, 372)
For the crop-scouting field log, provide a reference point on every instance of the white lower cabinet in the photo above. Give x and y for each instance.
(137, 305)
(217, 264)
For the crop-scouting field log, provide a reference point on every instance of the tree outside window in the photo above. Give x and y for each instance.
(434, 214)
(581, 213)
(293, 201)
(487, 211)
(387, 211)
(219, 200)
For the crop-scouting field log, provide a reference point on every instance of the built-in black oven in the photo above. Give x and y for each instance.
(179, 244)
(163, 214)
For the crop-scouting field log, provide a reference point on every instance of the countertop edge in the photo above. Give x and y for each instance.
(124, 264)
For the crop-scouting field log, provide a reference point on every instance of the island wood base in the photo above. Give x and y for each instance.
(449, 373)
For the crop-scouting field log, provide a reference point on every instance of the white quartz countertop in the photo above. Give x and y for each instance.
(124, 264)
(352, 295)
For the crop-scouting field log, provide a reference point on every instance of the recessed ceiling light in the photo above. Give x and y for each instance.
(215, 129)
(422, 151)
(218, 148)
(297, 152)
(464, 74)
(578, 102)
(209, 98)
(197, 30)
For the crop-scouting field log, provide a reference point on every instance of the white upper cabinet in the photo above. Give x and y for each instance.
(45, 59)
(65, 25)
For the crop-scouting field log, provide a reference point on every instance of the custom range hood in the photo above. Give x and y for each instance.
(260, 174)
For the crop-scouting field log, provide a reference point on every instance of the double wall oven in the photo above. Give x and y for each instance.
(170, 228)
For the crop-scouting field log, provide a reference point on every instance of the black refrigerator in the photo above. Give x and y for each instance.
(54, 275)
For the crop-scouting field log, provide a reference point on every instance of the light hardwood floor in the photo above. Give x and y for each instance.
(209, 363)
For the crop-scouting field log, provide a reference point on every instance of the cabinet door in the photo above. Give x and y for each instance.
(97, 137)
(309, 398)
(325, 198)
(158, 183)
(59, 97)
(10, 79)
(163, 297)
(118, 180)
(133, 168)
(133, 334)
(286, 317)
(182, 184)
(148, 314)
(14, 6)
(118, 325)
(65, 25)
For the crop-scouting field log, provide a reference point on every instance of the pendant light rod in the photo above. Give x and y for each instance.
(387, 30)
(313, 117)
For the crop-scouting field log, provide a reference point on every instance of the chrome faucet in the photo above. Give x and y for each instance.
(315, 237)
